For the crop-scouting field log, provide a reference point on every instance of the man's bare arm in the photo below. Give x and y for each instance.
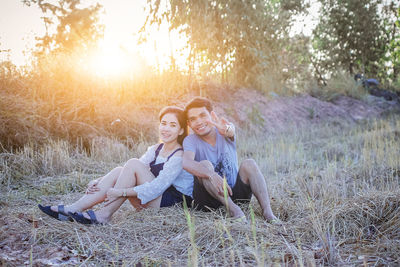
(195, 167)
(201, 171)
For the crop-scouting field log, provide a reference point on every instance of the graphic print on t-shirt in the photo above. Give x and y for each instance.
(224, 166)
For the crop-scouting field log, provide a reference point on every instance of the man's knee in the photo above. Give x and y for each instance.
(248, 166)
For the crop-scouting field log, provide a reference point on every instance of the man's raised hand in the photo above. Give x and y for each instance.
(220, 123)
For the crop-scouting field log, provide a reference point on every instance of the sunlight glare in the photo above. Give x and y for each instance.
(111, 60)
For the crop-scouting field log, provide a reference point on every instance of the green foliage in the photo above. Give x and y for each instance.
(390, 63)
(356, 36)
(349, 34)
(243, 41)
(255, 116)
(341, 83)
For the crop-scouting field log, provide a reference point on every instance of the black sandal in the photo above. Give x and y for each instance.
(80, 218)
(59, 215)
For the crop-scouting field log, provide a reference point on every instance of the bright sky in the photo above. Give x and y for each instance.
(20, 24)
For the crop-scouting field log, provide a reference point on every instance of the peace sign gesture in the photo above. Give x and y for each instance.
(222, 124)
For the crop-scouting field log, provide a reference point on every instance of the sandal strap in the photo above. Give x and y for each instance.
(92, 216)
(62, 216)
(61, 209)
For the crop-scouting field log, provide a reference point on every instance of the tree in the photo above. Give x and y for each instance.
(76, 28)
(352, 35)
(243, 41)
(390, 63)
(60, 56)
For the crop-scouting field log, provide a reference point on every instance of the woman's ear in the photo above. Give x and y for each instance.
(181, 131)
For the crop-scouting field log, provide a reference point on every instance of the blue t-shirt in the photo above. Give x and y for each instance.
(223, 155)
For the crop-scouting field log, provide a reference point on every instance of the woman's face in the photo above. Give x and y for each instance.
(169, 128)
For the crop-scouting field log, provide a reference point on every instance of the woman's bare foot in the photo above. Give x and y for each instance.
(66, 209)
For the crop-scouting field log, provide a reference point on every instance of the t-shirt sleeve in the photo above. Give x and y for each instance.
(148, 157)
(151, 190)
(189, 144)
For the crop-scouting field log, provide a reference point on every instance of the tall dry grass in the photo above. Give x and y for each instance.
(336, 187)
(57, 99)
(341, 83)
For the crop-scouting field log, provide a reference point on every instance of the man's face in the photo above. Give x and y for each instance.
(198, 120)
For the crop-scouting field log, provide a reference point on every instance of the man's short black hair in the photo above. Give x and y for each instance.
(198, 102)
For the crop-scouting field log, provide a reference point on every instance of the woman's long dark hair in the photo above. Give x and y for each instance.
(181, 119)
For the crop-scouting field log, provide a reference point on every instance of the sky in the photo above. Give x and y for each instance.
(20, 24)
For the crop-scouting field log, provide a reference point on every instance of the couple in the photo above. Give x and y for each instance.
(163, 176)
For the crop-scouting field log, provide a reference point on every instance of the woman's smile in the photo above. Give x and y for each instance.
(169, 128)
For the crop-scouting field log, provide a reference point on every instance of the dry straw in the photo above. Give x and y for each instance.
(336, 187)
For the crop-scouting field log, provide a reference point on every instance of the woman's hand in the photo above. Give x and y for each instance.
(114, 193)
(92, 187)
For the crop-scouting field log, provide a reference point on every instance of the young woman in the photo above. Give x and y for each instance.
(155, 180)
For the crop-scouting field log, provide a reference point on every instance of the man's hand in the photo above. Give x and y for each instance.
(220, 123)
(218, 182)
(92, 187)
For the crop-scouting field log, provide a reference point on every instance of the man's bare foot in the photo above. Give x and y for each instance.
(272, 219)
(236, 212)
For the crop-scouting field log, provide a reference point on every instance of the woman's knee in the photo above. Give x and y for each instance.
(114, 173)
(117, 170)
(134, 162)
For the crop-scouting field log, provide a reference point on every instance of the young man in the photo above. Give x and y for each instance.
(210, 155)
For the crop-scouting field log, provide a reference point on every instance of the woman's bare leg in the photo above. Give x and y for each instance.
(133, 173)
(89, 200)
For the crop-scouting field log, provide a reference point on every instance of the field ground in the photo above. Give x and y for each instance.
(334, 184)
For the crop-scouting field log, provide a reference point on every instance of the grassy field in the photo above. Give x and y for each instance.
(335, 186)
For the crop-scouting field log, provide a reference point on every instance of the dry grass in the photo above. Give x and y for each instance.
(342, 83)
(64, 102)
(336, 187)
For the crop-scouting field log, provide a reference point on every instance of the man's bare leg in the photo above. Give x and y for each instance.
(251, 175)
(234, 210)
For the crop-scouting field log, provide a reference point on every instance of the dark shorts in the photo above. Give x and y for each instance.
(241, 193)
(171, 196)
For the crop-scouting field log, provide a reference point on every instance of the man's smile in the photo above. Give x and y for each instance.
(201, 127)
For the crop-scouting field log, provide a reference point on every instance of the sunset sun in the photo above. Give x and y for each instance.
(111, 60)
